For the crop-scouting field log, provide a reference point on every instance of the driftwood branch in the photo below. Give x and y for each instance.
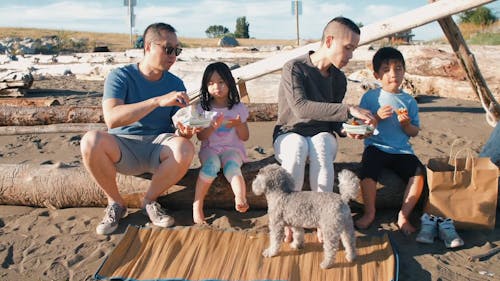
(60, 186)
(15, 83)
(488, 253)
(45, 115)
(53, 128)
(37, 102)
(470, 66)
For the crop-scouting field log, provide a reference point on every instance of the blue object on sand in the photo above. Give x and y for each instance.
(492, 147)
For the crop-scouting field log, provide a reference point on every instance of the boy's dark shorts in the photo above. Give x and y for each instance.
(404, 165)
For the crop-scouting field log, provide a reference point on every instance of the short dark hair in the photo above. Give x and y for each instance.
(343, 21)
(386, 54)
(155, 29)
(349, 23)
(225, 73)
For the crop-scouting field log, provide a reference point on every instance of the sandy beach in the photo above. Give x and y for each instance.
(61, 244)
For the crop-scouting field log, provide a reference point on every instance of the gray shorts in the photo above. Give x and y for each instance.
(140, 154)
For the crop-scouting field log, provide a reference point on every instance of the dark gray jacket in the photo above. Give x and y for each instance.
(309, 103)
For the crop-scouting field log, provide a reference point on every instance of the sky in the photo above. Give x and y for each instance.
(268, 19)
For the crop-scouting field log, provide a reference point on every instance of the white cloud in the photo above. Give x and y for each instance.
(65, 15)
(373, 13)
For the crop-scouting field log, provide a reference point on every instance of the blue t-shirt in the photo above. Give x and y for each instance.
(391, 137)
(128, 84)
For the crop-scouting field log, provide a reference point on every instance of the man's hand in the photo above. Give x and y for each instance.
(174, 98)
(186, 131)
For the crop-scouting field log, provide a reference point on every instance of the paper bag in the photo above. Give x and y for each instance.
(463, 189)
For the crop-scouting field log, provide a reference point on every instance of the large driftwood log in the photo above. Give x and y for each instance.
(53, 128)
(29, 102)
(31, 116)
(45, 115)
(60, 186)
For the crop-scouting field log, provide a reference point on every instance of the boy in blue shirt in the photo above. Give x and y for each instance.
(397, 115)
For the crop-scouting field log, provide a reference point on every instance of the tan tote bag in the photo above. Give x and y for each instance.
(463, 189)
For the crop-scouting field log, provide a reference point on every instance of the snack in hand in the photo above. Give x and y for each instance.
(403, 120)
(401, 111)
(189, 116)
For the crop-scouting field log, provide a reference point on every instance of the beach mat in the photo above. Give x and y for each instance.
(196, 253)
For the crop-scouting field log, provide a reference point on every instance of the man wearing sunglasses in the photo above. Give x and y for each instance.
(138, 104)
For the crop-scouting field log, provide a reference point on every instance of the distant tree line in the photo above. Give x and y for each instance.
(241, 30)
(479, 16)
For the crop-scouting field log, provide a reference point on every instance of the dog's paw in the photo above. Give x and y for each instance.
(269, 253)
(350, 256)
(296, 245)
(326, 264)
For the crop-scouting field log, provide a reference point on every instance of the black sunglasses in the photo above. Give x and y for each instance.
(171, 50)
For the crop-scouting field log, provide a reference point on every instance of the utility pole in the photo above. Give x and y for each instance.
(297, 10)
(131, 16)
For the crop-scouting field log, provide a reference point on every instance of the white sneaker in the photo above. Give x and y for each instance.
(428, 229)
(157, 215)
(112, 216)
(448, 234)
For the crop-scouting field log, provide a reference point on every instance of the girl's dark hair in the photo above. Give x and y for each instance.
(386, 54)
(225, 73)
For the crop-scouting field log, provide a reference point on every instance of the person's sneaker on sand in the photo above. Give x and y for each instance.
(448, 234)
(112, 216)
(428, 229)
(157, 215)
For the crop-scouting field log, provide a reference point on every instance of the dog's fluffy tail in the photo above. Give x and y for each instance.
(348, 185)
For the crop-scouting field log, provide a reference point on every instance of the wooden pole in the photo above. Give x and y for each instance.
(468, 63)
(296, 7)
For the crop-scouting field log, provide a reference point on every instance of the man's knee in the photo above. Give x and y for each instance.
(184, 150)
(91, 141)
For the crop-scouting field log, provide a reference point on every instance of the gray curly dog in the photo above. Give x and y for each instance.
(307, 209)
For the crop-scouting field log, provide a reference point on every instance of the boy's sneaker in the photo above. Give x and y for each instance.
(157, 215)
(428, 229)
(112, 216)
(448, 234)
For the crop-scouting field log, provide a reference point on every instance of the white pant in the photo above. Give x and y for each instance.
(293, 150)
